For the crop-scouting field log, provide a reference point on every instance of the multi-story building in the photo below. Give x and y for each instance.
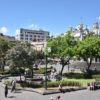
(27, 35)
(81, 32)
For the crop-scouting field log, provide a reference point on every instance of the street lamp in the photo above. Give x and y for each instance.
(46, 61)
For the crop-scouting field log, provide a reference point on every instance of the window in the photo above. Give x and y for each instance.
(30, 38)
(21, 38)
(30, 35)
(26, 38)
(38, 36)
(47, 37)
(26, 35)
(21, 35)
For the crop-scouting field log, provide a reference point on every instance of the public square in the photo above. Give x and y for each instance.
(27, 95)
(49, 49)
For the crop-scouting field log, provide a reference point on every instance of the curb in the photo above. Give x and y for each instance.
(47, 92)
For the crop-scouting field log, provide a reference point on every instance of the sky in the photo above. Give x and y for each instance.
(54, 16)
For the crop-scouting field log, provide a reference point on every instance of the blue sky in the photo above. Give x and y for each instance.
(54, 16)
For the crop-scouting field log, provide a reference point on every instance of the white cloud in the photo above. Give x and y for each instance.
(4, 30)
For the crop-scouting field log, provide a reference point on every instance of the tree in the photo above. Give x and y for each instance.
(62, 48)
(4, 46)
(20, 58)
(16, 57)
(88, 49)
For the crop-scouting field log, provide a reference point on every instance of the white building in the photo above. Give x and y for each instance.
(27, 35)
(81, 32)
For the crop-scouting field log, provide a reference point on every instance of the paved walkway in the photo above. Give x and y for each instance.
(76, 95)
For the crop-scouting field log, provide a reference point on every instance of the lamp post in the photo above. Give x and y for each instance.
(46, 61)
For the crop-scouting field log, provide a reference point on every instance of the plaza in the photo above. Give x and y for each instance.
(27, 95)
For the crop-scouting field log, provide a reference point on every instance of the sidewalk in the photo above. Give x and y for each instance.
(49, 90)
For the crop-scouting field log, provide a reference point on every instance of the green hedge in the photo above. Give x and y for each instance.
(96, 77)
(74, 75)
(42, 71)
(49, 84)
(30, 84)
(64, 83)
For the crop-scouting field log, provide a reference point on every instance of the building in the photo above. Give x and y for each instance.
(8, 38)
(81, 32)
(27, 35)
(38, 46)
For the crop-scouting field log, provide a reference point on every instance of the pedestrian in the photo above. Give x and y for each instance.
(13, 86)
(60, 88)
(6, 90)
(58, 98)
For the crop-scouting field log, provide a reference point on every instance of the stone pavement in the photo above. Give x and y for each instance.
(76, 95)
(2, 97)
(42, 90)
(30, 95)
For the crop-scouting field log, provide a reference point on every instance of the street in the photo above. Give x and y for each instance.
(26, 95)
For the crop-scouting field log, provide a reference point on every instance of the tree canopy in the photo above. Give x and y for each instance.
(20, 58)
(88, 49)
(62, 48)
(4, 46)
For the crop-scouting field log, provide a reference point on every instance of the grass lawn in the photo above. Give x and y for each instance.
(83, 82)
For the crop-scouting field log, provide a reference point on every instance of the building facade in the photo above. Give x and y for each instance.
(38, 46)
(27, 35)
(81, 32)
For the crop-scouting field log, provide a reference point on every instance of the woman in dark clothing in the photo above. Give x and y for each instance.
(6, 90)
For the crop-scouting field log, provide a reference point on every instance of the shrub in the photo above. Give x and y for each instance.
(74, 75)
(8, 83)
(96, 77)
(42, 71)
(30, 84)
(64, 83)
(5, 72)
(15, 72)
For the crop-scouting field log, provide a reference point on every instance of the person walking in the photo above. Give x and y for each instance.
(13, 86)
(6, 90)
